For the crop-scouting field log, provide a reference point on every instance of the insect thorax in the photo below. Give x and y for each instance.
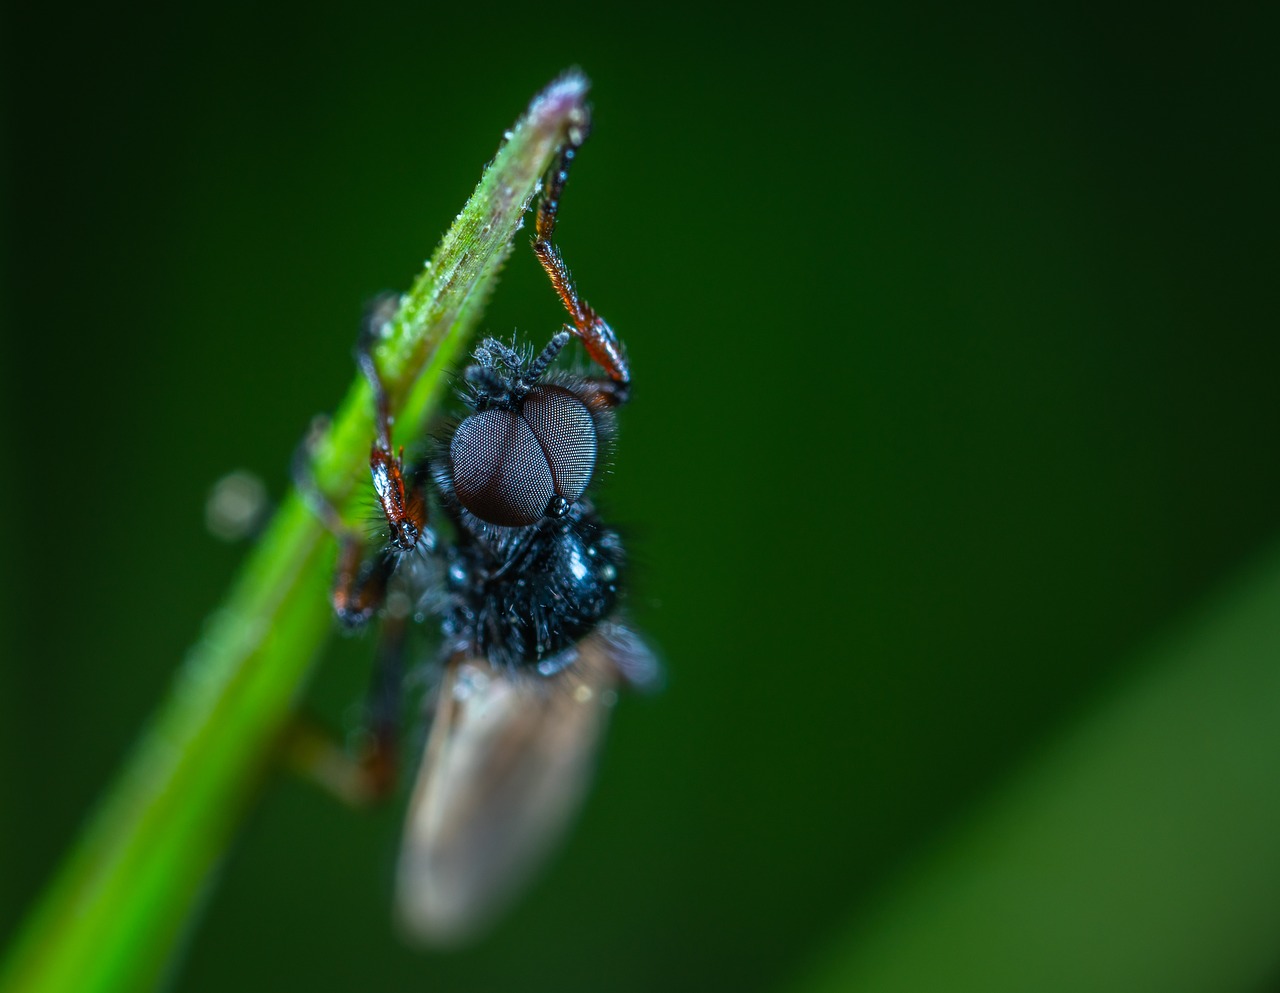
(562, 581)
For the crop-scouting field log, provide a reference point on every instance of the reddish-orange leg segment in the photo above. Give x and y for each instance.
(404, 508)
(600, 341)
(360, 586)
(363, 771)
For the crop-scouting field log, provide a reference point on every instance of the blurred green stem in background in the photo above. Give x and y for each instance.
(124, 897)
(1139, 853)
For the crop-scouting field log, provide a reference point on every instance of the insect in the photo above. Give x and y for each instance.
(494, 536)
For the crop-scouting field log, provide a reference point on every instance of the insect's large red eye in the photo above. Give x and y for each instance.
(509, 466)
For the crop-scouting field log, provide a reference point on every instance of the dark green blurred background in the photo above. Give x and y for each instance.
(955, 344)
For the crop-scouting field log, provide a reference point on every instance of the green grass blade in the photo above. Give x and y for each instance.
(1139, 853)
(127, 892)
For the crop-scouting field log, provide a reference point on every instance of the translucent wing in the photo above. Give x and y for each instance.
(507, 761)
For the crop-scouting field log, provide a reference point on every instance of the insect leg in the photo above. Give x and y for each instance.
(600, 341)
(383, 708)
(404, 507)
(603, 394)
(359, 584)
(379, 311)
(313, 751)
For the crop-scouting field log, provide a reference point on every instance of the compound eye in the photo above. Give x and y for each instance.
(500, 472)
(565, 430)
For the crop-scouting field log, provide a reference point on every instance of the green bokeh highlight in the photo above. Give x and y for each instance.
(1136, 853)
